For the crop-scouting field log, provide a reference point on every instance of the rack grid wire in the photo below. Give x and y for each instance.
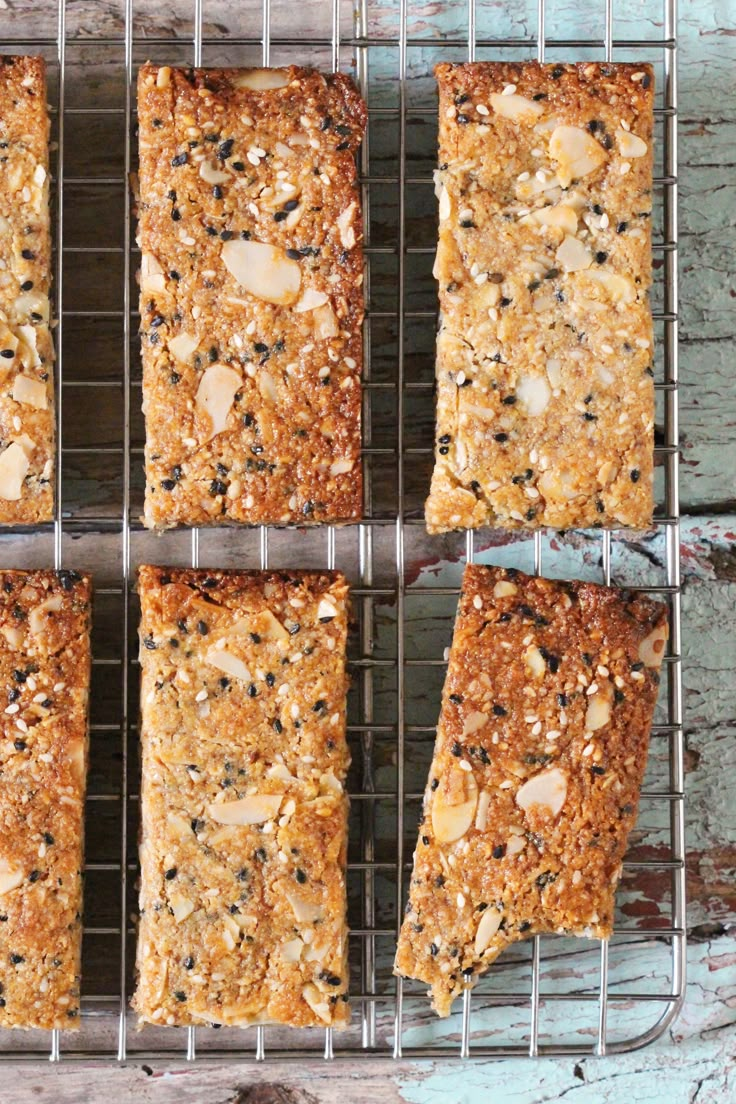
(389, 53)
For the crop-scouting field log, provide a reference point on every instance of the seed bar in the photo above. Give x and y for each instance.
(244, 812)
(534, 785)
(45, 670)
(545, 404)
(251, 295)
(26, 349)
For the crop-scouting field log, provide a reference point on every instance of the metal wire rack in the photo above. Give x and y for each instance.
(403, 617)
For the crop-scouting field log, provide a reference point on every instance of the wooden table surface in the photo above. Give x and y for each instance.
(696, 1060)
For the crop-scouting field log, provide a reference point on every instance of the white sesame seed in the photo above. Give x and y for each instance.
(460, 901)
(460, 379)
(541, 176)
(624, 167)
(602, 671)
(588, 750)
(592, 688)
(509, 90)
(482, 109)
(465, 766)
(523, 176)
(537, 728)
(624, 125)
(478, 602)
(13, 708)
(21, 724)
(605, 221)
(201, 696)
(252, 158)
(506, 785)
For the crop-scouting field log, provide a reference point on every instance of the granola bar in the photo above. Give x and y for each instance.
(251, 295)
(26, 349)
(545, 404)
(541, 748)
(44, 667)
(244, 812)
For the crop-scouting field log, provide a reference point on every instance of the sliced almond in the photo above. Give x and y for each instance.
(534, 393)
(292, 949)
(38, 619)
(229, 663)
(546, 790)
(515, 845)
(252, 809)
(267, 386)
(481, 815)
(474, 722)
(326, 610)
(573, 255)
(310, 300)
(10, 876)
(553, 368)
(13, 635)
(344, 225)
(630, 145)
(265, 624)
(152, 274)
(263, 270)
(577, 153)
(341, 467)
(516, 108)
(445, 204)
(181, 906)
(651, 649)
(504, 588)
(215, 394)
(76, 753)
(325, 323)
(32, 392)
(305, 912)
(619, 288)
(535, 662)
(30, 303)
(489, 924)
(598, 712)
(261, 80)
(453, 806)
(182, 346)
(562, 217)
(317, 1002)
(211, 174)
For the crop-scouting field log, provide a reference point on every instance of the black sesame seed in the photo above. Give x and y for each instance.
(170, 874)
(618, 696)
(500, 437)
(252, 691)
(34, 875)
(634, 475)
(637, 666)
(225, 149)
(217, 192)
(279, 216)
(600, 506)
(457, 749)
(597, 770)
(433, 949)
(277, 725)
(499, 851)
(168, 484)
(534, 285)
(7, 353)
(27, 285)
(202, 628)
(48, 838)
(175, 215)
(456, 698)
(211, 231)
(467, 224)
(595, 125)
(28, 255)
(270, 679)
(443, 450)
(217, 487)
(238, 166)
(590, 417)
(508, 400)
(16, 959)
(227, 235)
(318, 706)
(434, 783)
(291, 205)
(20, 745)
(179, 995)
(180, 159)
(505, 302)
(300, 876)
(622, 227)
(601, 257)
(557, 72)
(188, 963)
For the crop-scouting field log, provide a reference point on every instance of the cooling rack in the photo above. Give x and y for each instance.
(549, 996)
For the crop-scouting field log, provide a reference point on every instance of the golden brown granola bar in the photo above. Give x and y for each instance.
(534, 785)
(244, 812)
(26, 349)
(545, 407)
(45, 668)
(251, 295)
